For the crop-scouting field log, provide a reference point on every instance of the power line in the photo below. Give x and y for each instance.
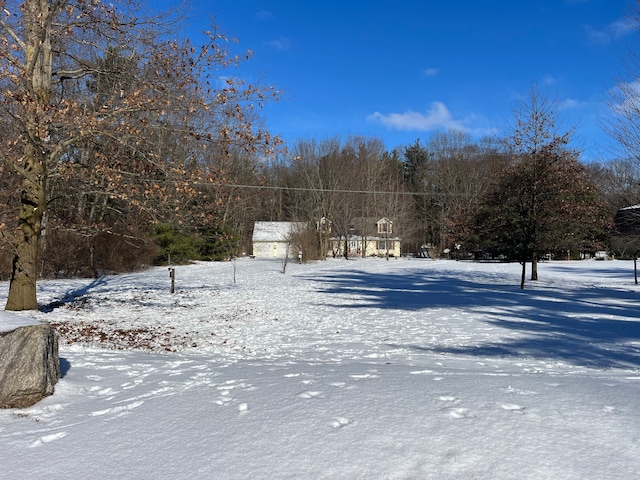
(328, 190)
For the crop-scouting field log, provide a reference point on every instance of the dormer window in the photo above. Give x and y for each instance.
(384, 226)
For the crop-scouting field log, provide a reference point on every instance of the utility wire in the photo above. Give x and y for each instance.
(328, 190)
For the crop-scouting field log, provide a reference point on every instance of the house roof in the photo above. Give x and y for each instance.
(273, 231)
(368, 225)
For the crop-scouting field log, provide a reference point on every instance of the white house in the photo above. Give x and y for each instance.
(271, 239)
(368, 238)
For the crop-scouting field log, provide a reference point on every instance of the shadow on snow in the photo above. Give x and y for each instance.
(594, 327)
(72, 295)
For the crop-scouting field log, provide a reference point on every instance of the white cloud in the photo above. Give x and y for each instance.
(437, 117)
(430, 72)
(263, 15)
(625, 98)
(281, 43)
(597, 36)
(614, 31)
(570, 103)
(622, 28)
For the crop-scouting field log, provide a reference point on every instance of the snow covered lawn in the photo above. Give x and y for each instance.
(359, 369)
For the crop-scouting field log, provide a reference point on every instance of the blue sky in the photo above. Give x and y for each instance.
(399, 71)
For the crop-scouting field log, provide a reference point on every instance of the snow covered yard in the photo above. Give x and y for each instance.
(360, 369)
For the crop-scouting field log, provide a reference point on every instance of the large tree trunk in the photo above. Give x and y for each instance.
(524, 273)
(534, 267)
(38, 76)
(22, 288)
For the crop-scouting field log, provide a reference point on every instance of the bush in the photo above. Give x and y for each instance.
(66, 253)
(173, 246)
(178, 247)
(306, 239)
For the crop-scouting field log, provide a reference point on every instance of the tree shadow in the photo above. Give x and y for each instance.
(594, 327)
(71, 296)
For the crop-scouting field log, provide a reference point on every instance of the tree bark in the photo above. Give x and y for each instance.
(534, 267)
(37, 90)
(22, 287)
(524, 273)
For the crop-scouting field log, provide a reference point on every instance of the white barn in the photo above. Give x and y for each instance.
(271, 239)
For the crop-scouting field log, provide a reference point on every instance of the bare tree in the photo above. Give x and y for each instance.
(92, 87)
(619, 181)
(464, 172)
(338, 187)
(317, 180)
(449, 176)
(624, 101)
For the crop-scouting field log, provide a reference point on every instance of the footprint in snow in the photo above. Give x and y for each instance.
(222, 401)
(118, 409)
(45, 412)
(309, 395)
(158, 392)
(104, 391)
(340, 422)
(519, 391)
(230, 385)
(130, 385)
(512, 407)
(461, 413)
(448, 398)
(48, 439)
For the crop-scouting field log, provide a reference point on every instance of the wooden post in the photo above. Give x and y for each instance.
(172, 274)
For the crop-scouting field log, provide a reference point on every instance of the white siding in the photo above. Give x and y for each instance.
(270, 239)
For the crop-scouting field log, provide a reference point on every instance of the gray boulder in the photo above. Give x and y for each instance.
(29, 363)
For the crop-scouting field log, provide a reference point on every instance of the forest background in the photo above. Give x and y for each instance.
(125, 145)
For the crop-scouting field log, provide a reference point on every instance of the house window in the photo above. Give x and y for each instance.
(385, 244)
(384, 227)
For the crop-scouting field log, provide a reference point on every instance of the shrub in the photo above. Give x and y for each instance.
(206, 244)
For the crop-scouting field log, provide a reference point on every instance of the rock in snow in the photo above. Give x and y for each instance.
(29, 365)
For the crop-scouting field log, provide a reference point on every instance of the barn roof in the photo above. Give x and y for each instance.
(273, 231)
